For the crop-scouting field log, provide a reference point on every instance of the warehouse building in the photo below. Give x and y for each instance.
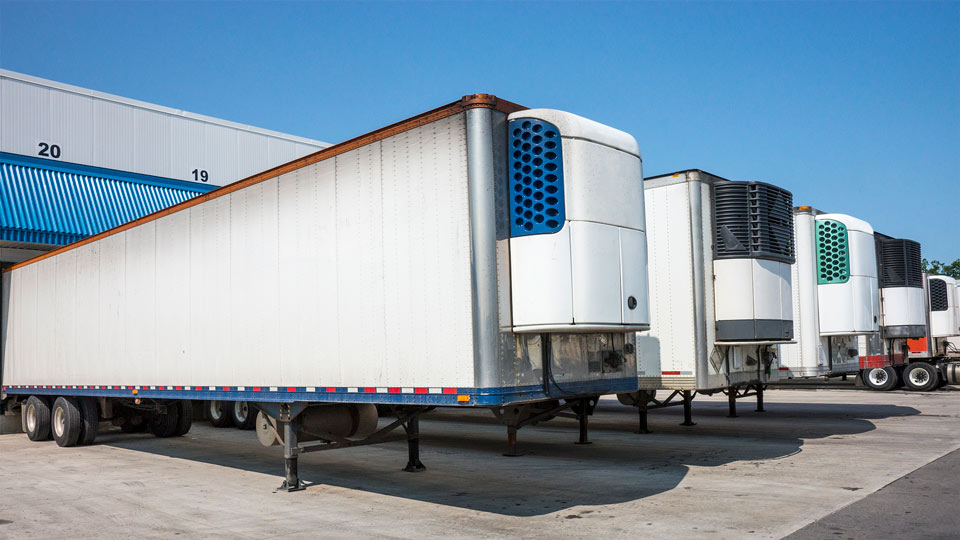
(75, 162)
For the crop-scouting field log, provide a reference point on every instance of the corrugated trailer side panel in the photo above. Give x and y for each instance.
(313, 268)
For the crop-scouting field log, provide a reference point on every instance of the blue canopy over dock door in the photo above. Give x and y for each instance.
(52, 203)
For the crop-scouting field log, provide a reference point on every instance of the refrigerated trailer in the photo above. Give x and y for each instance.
(883, 359)
(720, 300)
(834, 292)
(477, 255)
(934, 355)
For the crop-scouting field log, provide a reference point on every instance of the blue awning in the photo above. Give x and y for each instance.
(54, 203)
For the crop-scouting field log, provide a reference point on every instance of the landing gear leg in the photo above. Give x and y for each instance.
(291, 480)
(687, 409)
(643, 419)
(732, 402)
(512, 442)
(413, 446)
(760, 398)
(582, 415)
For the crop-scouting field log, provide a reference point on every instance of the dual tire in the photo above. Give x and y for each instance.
(231, 413)
(74, 421)
(881, 378)
(921, 377)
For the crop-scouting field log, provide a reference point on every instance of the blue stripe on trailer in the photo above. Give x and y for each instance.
(448, 396)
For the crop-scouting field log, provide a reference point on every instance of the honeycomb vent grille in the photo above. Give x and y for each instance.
(753, 220)
(536, 178)
(900, 263)
(833, 252)
(938, 295)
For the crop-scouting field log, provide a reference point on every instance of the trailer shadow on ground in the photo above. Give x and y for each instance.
(462, 451)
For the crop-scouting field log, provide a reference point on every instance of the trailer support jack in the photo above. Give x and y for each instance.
(688, 409)
(732, 403)
(760, 398)
(643, 429)
(583, 411)
(291, 452)
(413, 445)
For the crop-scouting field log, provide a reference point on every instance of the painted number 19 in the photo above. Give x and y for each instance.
(201, 175)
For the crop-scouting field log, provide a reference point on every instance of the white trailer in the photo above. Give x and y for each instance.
(835, 295)
(720, 256)
(883, 356)
(478, 255)
(933, 360)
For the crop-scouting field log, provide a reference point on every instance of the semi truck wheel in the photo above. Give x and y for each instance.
(36, 414)
(165, 424)
(185, 410)
(219, 413)
(244, 416)
(89, 420)
(881, 379)
(921, 377)
(66, 421)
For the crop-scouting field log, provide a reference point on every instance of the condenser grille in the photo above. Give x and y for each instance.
(753, 220)
(938, 295)
(900, 263)
(833, 252)
(536, 177)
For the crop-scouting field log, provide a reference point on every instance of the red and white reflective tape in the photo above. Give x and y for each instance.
(281, 389)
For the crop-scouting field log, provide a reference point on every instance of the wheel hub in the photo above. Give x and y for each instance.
(59, 422)
(31, 418)
(878, 376)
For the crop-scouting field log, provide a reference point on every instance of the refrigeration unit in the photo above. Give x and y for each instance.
(720, 293)
(835, 294)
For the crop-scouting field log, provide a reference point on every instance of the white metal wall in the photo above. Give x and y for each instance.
(101, 130)
(354, 271)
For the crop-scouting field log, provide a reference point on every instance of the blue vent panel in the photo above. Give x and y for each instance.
(536, 178)
(63, 204)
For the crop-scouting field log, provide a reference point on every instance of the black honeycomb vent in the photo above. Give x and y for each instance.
(938, 295)
(753, 220)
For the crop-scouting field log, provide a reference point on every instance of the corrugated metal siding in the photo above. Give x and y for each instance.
(116, 133)
(57, 207)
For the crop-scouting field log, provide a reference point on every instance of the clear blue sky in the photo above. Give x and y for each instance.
(855, 107)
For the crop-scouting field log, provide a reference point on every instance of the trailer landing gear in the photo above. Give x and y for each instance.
(688, 409)
(515, 417)
(280, 421)
(734, 393)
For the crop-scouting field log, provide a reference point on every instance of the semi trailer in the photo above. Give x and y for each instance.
(883, 359)
(720, 289)
(835, 295)
(935, 356)
(477, 255)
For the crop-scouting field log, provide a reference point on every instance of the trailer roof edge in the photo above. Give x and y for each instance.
(472, 101)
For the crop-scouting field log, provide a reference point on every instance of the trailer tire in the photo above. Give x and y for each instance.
(66, 421)
(921, 377)
(244, 416)
(36, 412)
(89, 420)
(880, 379)
(219, 413)
(165, 425)
(185, 421)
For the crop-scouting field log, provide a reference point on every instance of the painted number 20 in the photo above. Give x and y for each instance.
(49, 150)
(201, 175)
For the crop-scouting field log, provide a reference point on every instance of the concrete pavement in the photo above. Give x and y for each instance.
(762, 475)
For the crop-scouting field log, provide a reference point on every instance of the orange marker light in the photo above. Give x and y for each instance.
(463, 399)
